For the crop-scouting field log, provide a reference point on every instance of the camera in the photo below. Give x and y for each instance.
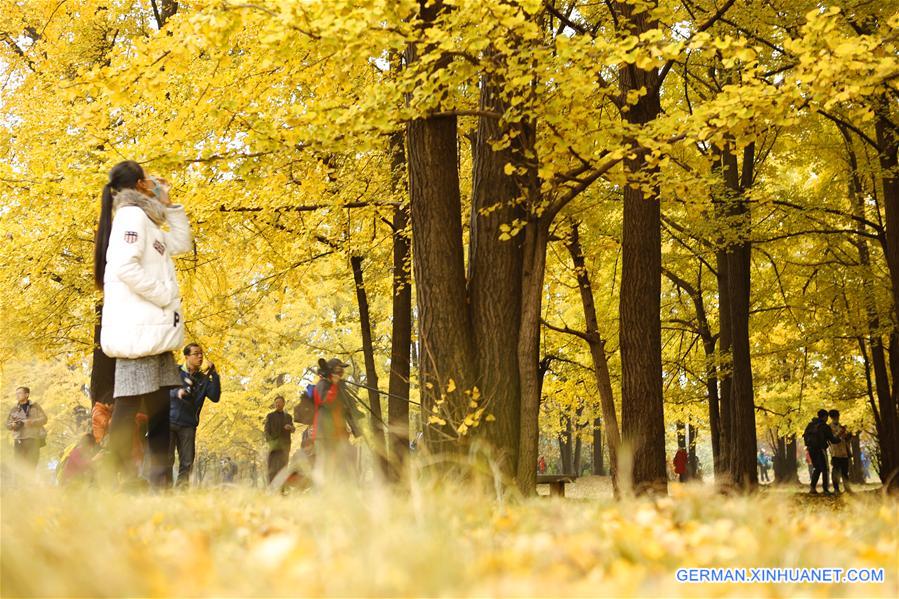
(188, 389)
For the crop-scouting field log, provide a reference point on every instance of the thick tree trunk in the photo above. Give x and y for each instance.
(578, 447)
(371, 373)
(878, 361)
(599, 467)
(642, 411)
(536, 238)
(711, 384)
(495, 281)
(888, 145)
(401, 326)
(447, 349)
(692, 458)
(597, 353)
(785, 461)
(725, 365)
(742, 451)
(565, 448)
(447, 359)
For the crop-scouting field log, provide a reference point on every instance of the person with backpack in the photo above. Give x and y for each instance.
(333, 421)
(816, 437)
(142, 323)
(764, 464)
(839, 453)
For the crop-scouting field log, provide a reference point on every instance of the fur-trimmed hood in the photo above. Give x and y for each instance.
(152, 207)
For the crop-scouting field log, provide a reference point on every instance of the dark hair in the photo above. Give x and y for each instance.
(834, 413)
(188, 347)
(822, 413)
(124, 175)
(26, 389)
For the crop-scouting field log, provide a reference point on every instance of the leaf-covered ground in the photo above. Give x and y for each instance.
(427, 540)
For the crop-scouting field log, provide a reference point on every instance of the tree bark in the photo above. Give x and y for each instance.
(888, 146)
(878, 361)
(642, 408)
(692, 458)
(371, 373)
(495, 280)
(401, 343)
(447, 347)
(578, 447)
(785, 460)
(565, 448)
(536, 238)
(742, 451)
(725, 365)
(401, 326)
(599, 467)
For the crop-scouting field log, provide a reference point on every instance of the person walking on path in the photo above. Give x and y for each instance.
(763, 467)
(141, 323)
(680, 464)
(816, 437)
(278, 429)
(334, 419)
(26, 420)
(185, 406)
(839, 453)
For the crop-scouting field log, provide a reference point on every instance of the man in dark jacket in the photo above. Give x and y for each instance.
(185, 405)
(278, 429)
(816, 437)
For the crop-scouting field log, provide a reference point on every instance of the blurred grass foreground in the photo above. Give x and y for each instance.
(430, 539)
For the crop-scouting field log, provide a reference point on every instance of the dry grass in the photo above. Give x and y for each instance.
(427, 540)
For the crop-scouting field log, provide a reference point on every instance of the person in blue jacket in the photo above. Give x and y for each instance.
(185, 406)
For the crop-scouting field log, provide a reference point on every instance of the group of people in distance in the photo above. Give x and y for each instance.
(819, 436)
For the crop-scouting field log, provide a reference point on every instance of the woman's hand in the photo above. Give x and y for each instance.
(156, 187)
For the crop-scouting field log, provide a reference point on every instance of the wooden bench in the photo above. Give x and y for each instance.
(556, 483)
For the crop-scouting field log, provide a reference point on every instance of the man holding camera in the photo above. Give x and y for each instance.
(26, 421)
(185, 406)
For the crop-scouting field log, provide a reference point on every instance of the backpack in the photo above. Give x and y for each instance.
(810, 437)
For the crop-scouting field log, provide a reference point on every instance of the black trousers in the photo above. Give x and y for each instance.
(840, 467)
(277, 461)
(183, 439)
(121, 435)
(819, 463)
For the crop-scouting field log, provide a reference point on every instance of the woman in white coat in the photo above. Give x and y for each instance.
(139, 232)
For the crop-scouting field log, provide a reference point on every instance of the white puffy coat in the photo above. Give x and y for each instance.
(141, 299)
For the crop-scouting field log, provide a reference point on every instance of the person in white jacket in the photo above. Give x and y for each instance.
(142, 323)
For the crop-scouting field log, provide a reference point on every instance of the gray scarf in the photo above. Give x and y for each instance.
(154, 210)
